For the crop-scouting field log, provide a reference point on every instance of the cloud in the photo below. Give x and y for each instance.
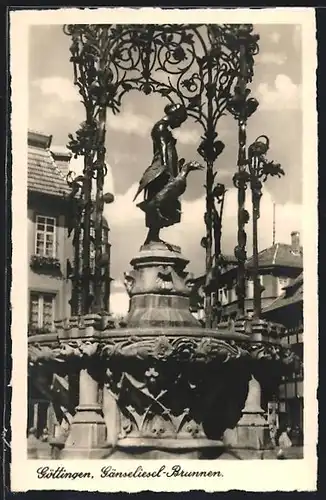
(288, 217)
(278, 58)
(121, 157)
(62, 88)
(275, 37)
(284, 94)
(124, 209)
(296, 37)
(119, 299)
(128, 232)
(185, 136)
(119, 303)
(76, 165)
(130, 122)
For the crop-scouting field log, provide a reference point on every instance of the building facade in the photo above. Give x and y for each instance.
(278, 265)
(50, 258)
(48, 245)
(288, 310)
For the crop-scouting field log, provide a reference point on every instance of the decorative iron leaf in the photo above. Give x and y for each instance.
(194, 102)
(187, 37)
(218, 190)
(251, 106)
(218, 147)
(179, 54)
(126, 86)
(203, 242)
(165, 92)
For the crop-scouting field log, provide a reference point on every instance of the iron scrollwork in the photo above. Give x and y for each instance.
(259, 169)
(254, 171)
(241, 106)
(194, 65)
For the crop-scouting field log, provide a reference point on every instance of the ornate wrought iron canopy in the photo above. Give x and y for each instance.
(204, 67)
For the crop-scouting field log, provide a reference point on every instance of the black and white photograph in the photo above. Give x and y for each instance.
(164, 249)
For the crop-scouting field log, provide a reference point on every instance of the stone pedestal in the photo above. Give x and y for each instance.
(87, 435)
(158, 288)
(252, 431)
(171, 389)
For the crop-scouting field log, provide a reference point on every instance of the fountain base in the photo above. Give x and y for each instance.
(170, 388)
(87, 436)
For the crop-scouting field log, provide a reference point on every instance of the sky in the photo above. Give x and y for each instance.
(55, 108)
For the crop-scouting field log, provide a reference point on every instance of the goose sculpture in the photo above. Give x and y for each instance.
(162, 194)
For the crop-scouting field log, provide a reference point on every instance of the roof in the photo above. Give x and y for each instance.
(38, 139)
(47, 169)
(296, 281)
(44, 176)
(278, 255)
(62, 158)
(293, 294)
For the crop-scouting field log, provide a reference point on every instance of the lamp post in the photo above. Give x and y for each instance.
(242, 107)
(259, 169)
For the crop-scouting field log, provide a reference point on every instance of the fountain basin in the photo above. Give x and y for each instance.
(164, 389)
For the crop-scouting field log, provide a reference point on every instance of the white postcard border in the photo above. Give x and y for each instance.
(288, 475)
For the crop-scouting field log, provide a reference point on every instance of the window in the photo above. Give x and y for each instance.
(222, 296)
(282, 407)
(45, 243)
(233, 294)
(42, 310)
(281, 283)
(250, 289)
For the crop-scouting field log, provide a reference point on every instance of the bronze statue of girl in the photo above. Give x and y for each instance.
(164, 168)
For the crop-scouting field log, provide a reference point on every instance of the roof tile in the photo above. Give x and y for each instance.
(293, 294)
(279, 254)
(43, 174)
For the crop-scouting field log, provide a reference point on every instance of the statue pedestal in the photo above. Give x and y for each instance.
(158, 289)
(160, 368)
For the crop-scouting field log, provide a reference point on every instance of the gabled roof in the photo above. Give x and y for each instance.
(293, 294)
(278, 255)
(44, 176)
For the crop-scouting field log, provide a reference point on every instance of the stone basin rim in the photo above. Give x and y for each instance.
(168, 443)
(175, 332)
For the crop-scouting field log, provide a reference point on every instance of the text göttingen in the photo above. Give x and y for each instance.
(109, 472)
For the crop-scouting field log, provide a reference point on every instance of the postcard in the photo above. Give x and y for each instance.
(164, 269)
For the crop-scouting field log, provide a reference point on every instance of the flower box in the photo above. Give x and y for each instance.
(42, 263)
(38, 330)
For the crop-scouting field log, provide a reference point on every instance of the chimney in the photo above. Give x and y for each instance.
(295, 243)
